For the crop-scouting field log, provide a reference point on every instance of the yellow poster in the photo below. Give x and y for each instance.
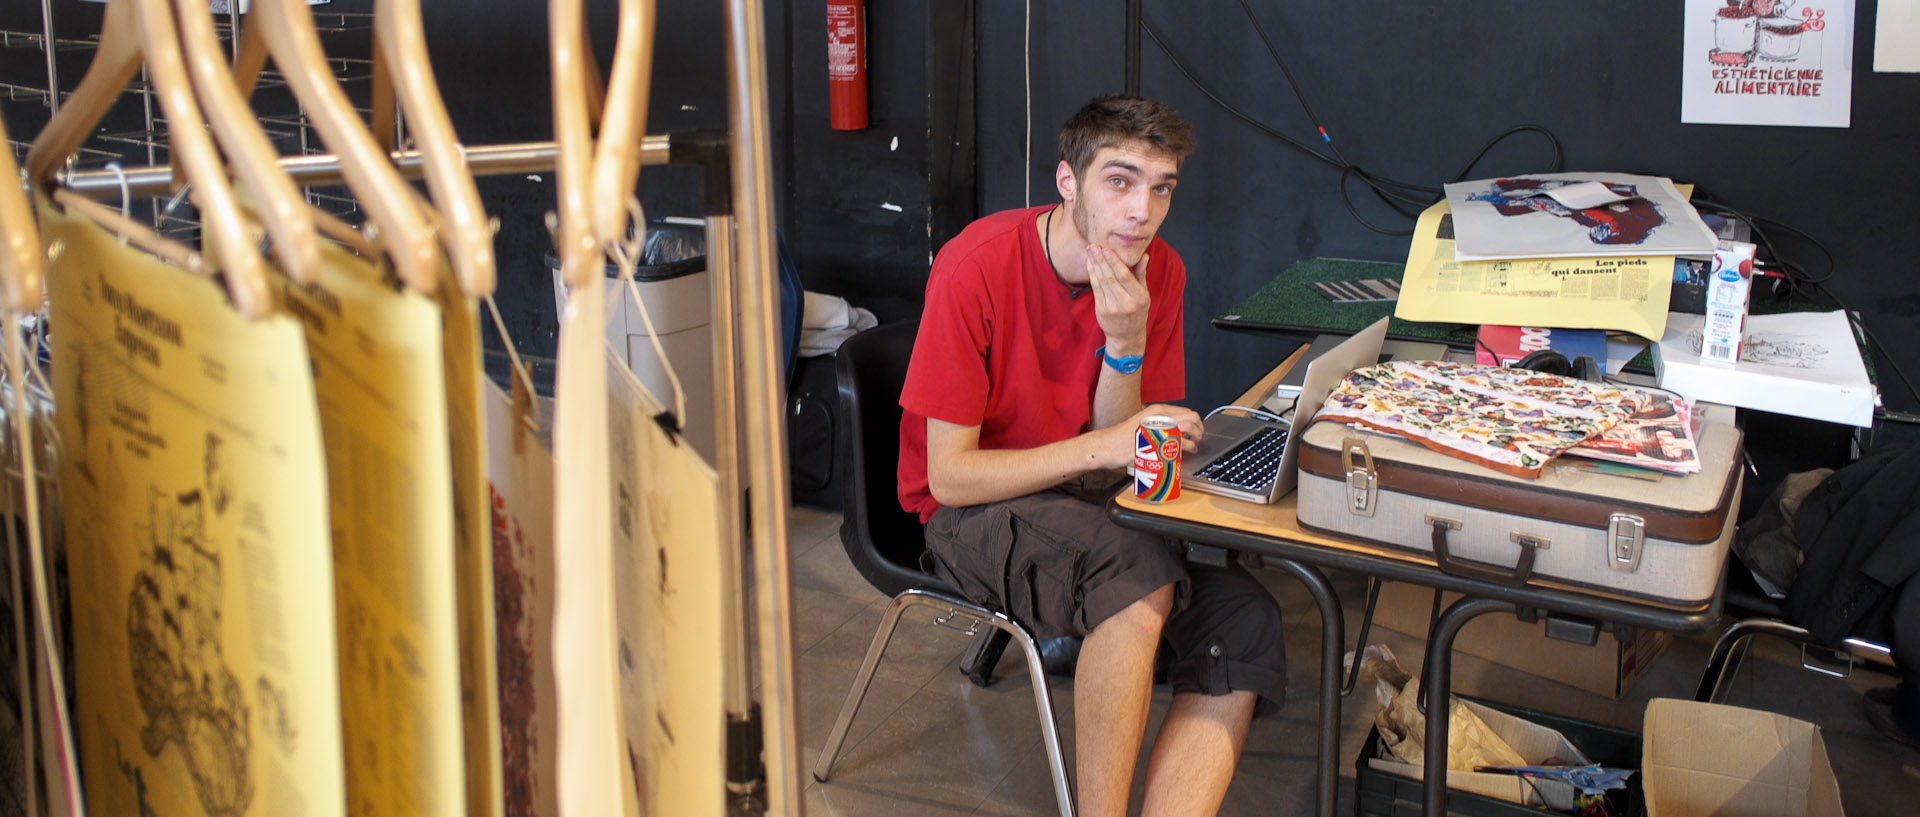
(666, 551)
(195, 504)
(378, 378)
(1628, 294)
(472, 546)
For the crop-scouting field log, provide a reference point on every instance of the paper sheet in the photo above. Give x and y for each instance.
(199, 557)
(1505, 219)
(1628, 294)
(520, 475)
(378, 376)
(472, 546)
(666, 548)
(1896, 36)
(592, 751)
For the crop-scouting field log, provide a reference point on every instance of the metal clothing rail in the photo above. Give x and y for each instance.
(323, 170)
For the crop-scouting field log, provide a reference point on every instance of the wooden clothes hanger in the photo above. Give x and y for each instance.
(596, 176)
(288, 217)
(401, 48)
(623, 122)
(21, 267)
(284, 30)
(133, 32)
(573, 77)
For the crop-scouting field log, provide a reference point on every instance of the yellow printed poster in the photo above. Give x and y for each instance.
(472, 546)
(379, 381)
(195, 505)
(520, 484)
(1628, 294)
(666, 554)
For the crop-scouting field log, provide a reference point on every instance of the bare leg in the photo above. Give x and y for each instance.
(1195, 752)
(1112, 687)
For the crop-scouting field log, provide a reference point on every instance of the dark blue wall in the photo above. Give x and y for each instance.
(1412, 91)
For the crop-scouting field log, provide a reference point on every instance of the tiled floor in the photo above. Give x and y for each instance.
(928, 742)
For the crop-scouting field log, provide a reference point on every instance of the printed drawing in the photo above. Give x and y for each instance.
(514, 599)
(1785, 349)
(189, 695)
(1622, 222)
(1750, 31)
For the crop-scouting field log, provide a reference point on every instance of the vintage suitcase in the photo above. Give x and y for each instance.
(1663, 541)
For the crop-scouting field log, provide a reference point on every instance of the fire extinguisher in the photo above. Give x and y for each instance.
(847, 63)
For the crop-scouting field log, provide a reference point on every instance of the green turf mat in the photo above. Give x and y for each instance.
(1287, 304)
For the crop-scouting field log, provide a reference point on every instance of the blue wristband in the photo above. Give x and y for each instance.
(1123, 365)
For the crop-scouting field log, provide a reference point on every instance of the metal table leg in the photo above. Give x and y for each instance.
(1332, 644)
(1437, 680)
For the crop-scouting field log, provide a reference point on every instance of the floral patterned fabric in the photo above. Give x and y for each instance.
(1511, 420)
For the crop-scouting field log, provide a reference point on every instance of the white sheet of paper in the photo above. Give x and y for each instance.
(1585, 195)
(1896, 36)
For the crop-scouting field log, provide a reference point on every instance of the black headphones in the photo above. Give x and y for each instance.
(1548, 361)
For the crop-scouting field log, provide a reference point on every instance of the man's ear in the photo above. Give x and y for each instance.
(1063, 180)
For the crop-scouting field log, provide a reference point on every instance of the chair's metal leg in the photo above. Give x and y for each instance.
(860, 683)
(1043, 700)
(1731, 648)
(1722, 663)
(1042, 693)
(983, 656)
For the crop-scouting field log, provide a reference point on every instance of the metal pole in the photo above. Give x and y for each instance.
(745, 771)
(1133, 47)
(46, 47)
(765, 433)
(1438, 680)
(323, 170)
(1333, 641)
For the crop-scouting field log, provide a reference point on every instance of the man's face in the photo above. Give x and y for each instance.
(1122, 197)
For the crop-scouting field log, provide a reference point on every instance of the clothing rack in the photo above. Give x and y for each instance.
(762, 741)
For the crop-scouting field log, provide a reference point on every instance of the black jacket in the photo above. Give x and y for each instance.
(1860, 531)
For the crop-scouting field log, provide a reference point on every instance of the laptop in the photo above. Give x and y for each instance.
(1245, 456)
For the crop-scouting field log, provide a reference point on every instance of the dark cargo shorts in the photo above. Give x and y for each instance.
(1054, 561)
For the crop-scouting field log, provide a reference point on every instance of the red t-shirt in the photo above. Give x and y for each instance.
(1003, 345)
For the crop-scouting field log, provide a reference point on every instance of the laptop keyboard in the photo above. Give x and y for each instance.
(1252, 464)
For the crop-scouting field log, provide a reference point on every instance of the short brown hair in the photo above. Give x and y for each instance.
(1117, 118)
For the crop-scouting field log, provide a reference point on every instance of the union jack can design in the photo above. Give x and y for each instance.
(1156, 459)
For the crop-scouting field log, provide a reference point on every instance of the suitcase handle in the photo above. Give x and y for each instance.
(1507, 577)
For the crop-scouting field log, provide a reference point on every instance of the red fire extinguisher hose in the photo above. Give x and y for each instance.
(847, 63)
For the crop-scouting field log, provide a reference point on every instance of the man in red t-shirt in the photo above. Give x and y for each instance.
(1048, 334)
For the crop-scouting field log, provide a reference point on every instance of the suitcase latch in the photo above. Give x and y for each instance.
(1626, 535)
(1363, 488)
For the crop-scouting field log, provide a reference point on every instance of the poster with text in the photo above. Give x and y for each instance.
(1768, 62)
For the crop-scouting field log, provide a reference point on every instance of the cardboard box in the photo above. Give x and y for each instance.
(1701, 760)
(1609, 667)
(1537, 744)
(1380, 792)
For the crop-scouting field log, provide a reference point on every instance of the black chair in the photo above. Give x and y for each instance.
(885, 542)
(1756, 613)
